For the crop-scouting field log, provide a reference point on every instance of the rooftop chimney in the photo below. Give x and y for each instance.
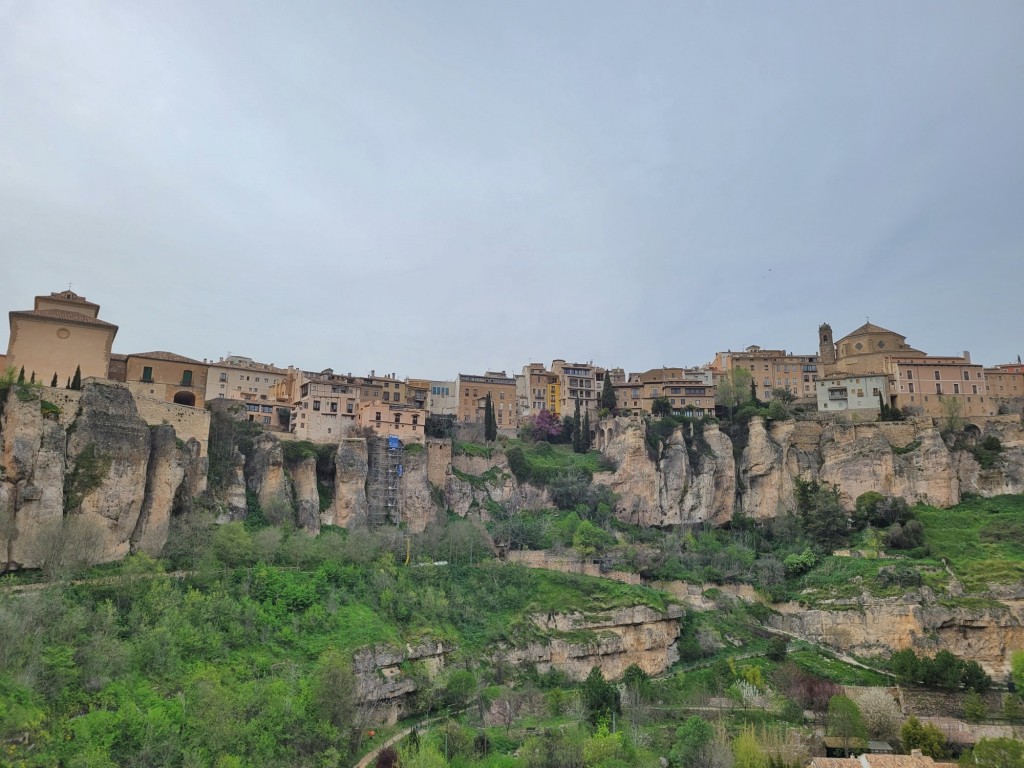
(967, 356)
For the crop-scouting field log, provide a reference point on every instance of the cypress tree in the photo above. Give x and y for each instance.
(577, 430)
(32, 379)
(586, 433)
(53, 382)
(76, 382)
(21, 375)
(68, 386)
(608, 394)
(490, 423)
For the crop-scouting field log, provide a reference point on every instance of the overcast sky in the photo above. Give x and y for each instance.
(440, 187)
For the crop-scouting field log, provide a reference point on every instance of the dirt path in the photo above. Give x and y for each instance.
(371, 756)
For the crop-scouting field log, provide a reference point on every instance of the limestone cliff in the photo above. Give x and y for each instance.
(351, 464)
(87, 486)
(265, 477)
(987, 632)
(691, 480)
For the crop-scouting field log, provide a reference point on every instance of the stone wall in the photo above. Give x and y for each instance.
(187, 422)
(439, 461)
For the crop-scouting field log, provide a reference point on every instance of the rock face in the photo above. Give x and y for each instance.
(307, 496)
(691, 480)
(414, 499)
(351, 465)
(871, 626)
(90, 486)
(637, 635)
(265, 476)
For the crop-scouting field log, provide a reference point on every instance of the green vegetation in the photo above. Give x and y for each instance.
(970, 538)
(542, 463)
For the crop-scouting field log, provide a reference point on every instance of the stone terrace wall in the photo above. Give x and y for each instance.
(187, 421)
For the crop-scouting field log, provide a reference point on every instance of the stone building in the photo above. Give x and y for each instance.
(442, 399)
(772, 369)
(472, 391)
(167, 376)
(404, 421)
(538, 389)
(863, 350)
(854, 393)
(689, 391)
(60, 333)
(578, 381)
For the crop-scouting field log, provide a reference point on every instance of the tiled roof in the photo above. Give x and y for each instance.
(115, 356)
(869, 328)
(169, 357)
(63, 316)
(875, 761)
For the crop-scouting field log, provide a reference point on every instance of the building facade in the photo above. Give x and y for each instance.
(406, 422)
(773, 369)
(167, 376)
(924, 385)
(60, 334)
(689, 391)
(472, 391)
(861, 394)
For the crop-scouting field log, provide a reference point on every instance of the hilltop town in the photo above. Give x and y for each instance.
(868, 374)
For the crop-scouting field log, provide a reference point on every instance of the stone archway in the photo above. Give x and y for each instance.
(185, 398)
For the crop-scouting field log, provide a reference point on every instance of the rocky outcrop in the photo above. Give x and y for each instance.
(414, 498)
(351, 464)
(987, 632)
(90, 486)
(388, 677)
(163, 478)
(611, 641)
(692, 479)
(476, 483)
(307, 495)
(265, 476)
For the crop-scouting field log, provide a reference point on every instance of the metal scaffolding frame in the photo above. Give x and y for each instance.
(384, 487)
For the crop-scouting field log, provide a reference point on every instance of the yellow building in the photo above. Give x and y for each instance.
(61, 333)
(168, 377)
(538, 389)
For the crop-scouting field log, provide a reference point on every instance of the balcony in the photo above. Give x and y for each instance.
(837, 394)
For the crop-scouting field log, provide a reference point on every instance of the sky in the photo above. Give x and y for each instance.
(445, 187)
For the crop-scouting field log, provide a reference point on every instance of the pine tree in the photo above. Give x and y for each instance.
(76, 382)
(21, 375)
(608, 395)
(53, 382)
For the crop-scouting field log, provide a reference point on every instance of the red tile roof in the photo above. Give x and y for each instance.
(62, 315)
(169, 357)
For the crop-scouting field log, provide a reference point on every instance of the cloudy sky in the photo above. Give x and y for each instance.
(436, 187)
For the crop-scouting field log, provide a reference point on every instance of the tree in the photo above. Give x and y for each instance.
(996, 753)
(21, 375)
(747, 750)
(1017, 671)
(53, 381)
(974, 706)
(882, 716)
(76, 381)
(952, 410)
(824, 518)
(334, 694)
(777, 648)
(585, 436)
(692, 739)
(32, 378)
(577, 430)
(734, 388)
(929, 739)
(490, 422)
(544, 426)
(600, 697)
(590, 540)
(845, 722)
(660, 406)
(608, 401)
(1013, 710)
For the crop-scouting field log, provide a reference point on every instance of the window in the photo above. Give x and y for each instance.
(147, 373)
(186, 378)
(910, 374)
(223, 377)
(936, 375)
(938, 389)
(501, 396)
(911, 385)
(387, 397)
(316, 405)
(415, 419)
(398, 418)
(975, 388)
(334, 407)
(266, 419)
(378, 416)
(956, 389)
(967, 375)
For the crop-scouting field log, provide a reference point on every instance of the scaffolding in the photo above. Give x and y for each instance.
(383, 492)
